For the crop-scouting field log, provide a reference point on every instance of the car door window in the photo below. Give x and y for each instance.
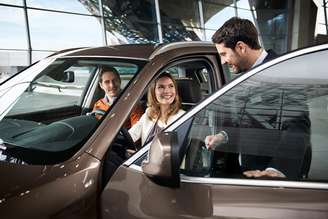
(193, 78)
(46, 124)
(276, 119)
(60, 85)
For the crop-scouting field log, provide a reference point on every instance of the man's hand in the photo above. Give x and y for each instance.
(211, 141)
(267, 172)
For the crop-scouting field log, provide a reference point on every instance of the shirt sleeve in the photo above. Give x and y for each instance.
(136, 115)
(136, 130)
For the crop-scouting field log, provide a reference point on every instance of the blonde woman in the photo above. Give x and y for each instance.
(164, 107)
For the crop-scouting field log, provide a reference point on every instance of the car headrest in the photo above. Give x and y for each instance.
(189, 90)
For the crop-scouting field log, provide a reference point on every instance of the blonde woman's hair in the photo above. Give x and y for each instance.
(154, 107)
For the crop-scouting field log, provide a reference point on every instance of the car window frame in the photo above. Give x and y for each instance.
(70, 153)
(184, 60)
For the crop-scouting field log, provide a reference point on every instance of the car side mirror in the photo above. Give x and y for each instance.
(162, 165)
(68, 77)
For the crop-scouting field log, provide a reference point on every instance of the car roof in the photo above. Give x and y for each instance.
(134, 51)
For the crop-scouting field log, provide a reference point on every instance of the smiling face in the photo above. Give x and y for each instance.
(233, 57)
(110, 83)
(165, 91)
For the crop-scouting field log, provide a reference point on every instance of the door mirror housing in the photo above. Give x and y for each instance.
(163, 163)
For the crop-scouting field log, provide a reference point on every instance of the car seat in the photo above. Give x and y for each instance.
(189, 91)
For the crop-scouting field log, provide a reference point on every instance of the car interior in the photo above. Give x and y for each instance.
(62, 129)
(193, 84)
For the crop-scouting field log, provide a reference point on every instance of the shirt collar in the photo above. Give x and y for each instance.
(261, 58)
(108, 100)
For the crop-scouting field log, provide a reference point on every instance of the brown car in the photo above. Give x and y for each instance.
(56, 157)
(53, 150)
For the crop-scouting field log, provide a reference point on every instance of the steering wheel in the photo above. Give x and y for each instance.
(127, 137)
(122, 142)
(96, 113)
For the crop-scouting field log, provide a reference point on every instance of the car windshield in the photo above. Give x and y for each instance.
(52, 112)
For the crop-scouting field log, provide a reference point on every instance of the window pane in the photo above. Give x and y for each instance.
(12, 2)
(320, 12)
(244, 4)
(180, 12)
(277, 43)
(51, 91)
(38, 55)
(130, 10)
(275, 119)
(220, 2)
(64, 30)
(122, 31)
(84, 7)
(193, 80)
(209, 34)
(321, 29)
(172, 33)
(273, 27)
(246, 14)
(13, 30)
(270, 4)
(46, 114)
(215, 15)
(12, 62)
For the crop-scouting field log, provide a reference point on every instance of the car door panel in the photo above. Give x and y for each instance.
(150, 200)
(268, 202)
(201, 199)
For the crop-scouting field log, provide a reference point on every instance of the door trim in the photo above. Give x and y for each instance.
(247, 182)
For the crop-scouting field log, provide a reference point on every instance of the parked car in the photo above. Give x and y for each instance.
(53, 153)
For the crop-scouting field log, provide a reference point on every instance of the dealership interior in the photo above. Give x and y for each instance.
(33, 29)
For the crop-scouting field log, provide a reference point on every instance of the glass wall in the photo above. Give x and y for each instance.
(64, 30)
(180, 20)
(33, 29)
(130, 21)
(322, 26)
(81, 7)
(215, 14)
(271, 18)
(12, 61)
(13, 30)
(12, 2)
(13, 41)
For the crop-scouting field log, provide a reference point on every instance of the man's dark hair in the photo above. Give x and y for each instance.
(237, 29)
(105, 69)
